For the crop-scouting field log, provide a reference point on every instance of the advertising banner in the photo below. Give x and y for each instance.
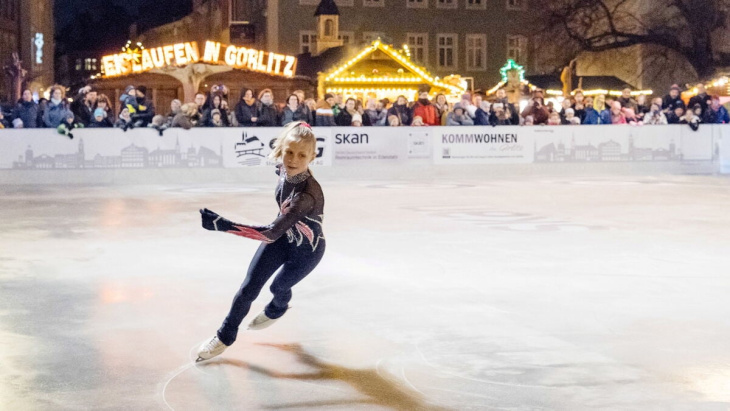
(361, 145)
(483, 145)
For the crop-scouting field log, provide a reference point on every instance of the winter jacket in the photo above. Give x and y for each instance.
(592, 117)
(377, 118)
(182, 121)
(268, 115)
(288, 116)
(324, 116)
(463, 120)
(428, 113)
(655, 119)
(402, 112)
(700, 99)
(145, 112)
(105, 123)
(344, 119)
(208, 119)
(481, 118)
(83, 112)
(670, 103)
(716, 117)
(245, 112)
(55, 114)
(27, 111)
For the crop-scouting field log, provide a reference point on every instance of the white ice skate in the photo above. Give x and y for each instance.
(262, 321)
(211, 349)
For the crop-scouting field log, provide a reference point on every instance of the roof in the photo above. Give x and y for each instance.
(327, 7)
(552, 81)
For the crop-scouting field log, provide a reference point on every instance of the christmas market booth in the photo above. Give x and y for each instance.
(377, 71)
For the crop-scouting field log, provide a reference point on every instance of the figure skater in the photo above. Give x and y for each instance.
(294, 241)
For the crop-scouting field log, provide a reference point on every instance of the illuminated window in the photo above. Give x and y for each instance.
(418, 44)
(445, 4)
(476, 4)
(306, 41)
(447, 50)
(516, 4)
(476, 52)
(93, 64)
(417, 4)
(517, 48)
(373, 3)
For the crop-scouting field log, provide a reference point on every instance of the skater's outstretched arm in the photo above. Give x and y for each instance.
(291, 212)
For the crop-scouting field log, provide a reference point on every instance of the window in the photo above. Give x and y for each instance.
(447, 50)
(93, 64)
(417, 4)
(517, 48)
(371, 36)
(89, 64)
(373, 3)
(347, 37)
(418, 44)
(306, 41)
(476, 4)
(476, 52)
(516, 4)
(445, 4)
(78, 65)
(328, 27)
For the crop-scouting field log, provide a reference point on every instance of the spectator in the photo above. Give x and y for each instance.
(324, 116)
(469, 108)
(692, 117)
(344, 118)
(641, 106)
(356, 120)
(145, 108)
(400, 109)
(550, 107)
(175, 106)
(103, 102)
(508, 107)
(27, 110)
(539, 94)
(631, 117)
(427, 111)
(294, 111)
(537, 110)
(42, 107)
(603, 107)
(716, 113)
(701, 98)
(394, 121)
(459, 117)
(554, 119)
(593, 117)
(579, 106)
(84, 104)
(159, 123)
(312, 107)
(500, 115)
(68, 124)
(617, 115)
(675, 116)
(216, 118)
(655, 116)
(57, 110)
(481, 116)
(564, 106)
(247, 109)
(376, 113)
(17, 123)
(125, 120)
(129, 100)
(673, 99)
(200, 100)
(267, 113)
(305, 108)
(442, 108)
(188, 117)
(3, 121)
(625, 100)
(216, 103)
(100, 120)
(417, 122)
(529, 121)
(570, 117)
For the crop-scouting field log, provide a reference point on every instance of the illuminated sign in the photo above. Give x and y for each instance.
(38, 41)
(181, 54)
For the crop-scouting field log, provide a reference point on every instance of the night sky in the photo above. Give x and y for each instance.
(100, 25)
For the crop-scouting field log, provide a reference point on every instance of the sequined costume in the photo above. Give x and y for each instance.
(294, 241)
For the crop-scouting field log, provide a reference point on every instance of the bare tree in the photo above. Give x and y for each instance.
(695, 29)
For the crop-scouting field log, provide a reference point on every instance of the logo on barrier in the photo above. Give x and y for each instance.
(248, 150)
(352, 138)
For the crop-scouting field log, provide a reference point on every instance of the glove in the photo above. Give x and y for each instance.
(214, 222)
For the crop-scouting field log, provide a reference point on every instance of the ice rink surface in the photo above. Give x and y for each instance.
(525, 292)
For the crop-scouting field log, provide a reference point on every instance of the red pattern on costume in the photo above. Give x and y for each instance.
(249, 233)
(306, 231)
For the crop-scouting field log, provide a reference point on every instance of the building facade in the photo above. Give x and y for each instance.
(473, 38)
(26, 28)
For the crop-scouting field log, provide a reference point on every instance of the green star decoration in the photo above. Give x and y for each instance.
(511, 65)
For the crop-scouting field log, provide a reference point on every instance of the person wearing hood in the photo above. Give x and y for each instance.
(401, 110)
(426, 110)
(145, 108)
(267, 112)
(324, 116)
(99, 120)
(84, 104)
(27, 110)
(57, 110)
(459, 117)
(247, 109)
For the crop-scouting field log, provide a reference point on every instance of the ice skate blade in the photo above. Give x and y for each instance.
(200, 359)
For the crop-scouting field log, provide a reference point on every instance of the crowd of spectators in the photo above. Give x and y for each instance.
(89, 108)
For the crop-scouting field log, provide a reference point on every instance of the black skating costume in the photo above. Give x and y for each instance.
(294, 240)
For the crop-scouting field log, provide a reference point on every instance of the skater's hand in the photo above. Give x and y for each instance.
(212, 221)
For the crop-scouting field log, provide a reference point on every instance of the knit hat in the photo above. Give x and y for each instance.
(142, 89)
(458, 106)
(99, 112)
(215, 111)
(128, 89)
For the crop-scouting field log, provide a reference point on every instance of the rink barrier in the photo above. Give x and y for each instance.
(244, 148)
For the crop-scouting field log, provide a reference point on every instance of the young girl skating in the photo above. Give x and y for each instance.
(294, 241)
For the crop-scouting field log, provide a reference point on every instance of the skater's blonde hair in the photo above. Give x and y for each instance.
(297, 131)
